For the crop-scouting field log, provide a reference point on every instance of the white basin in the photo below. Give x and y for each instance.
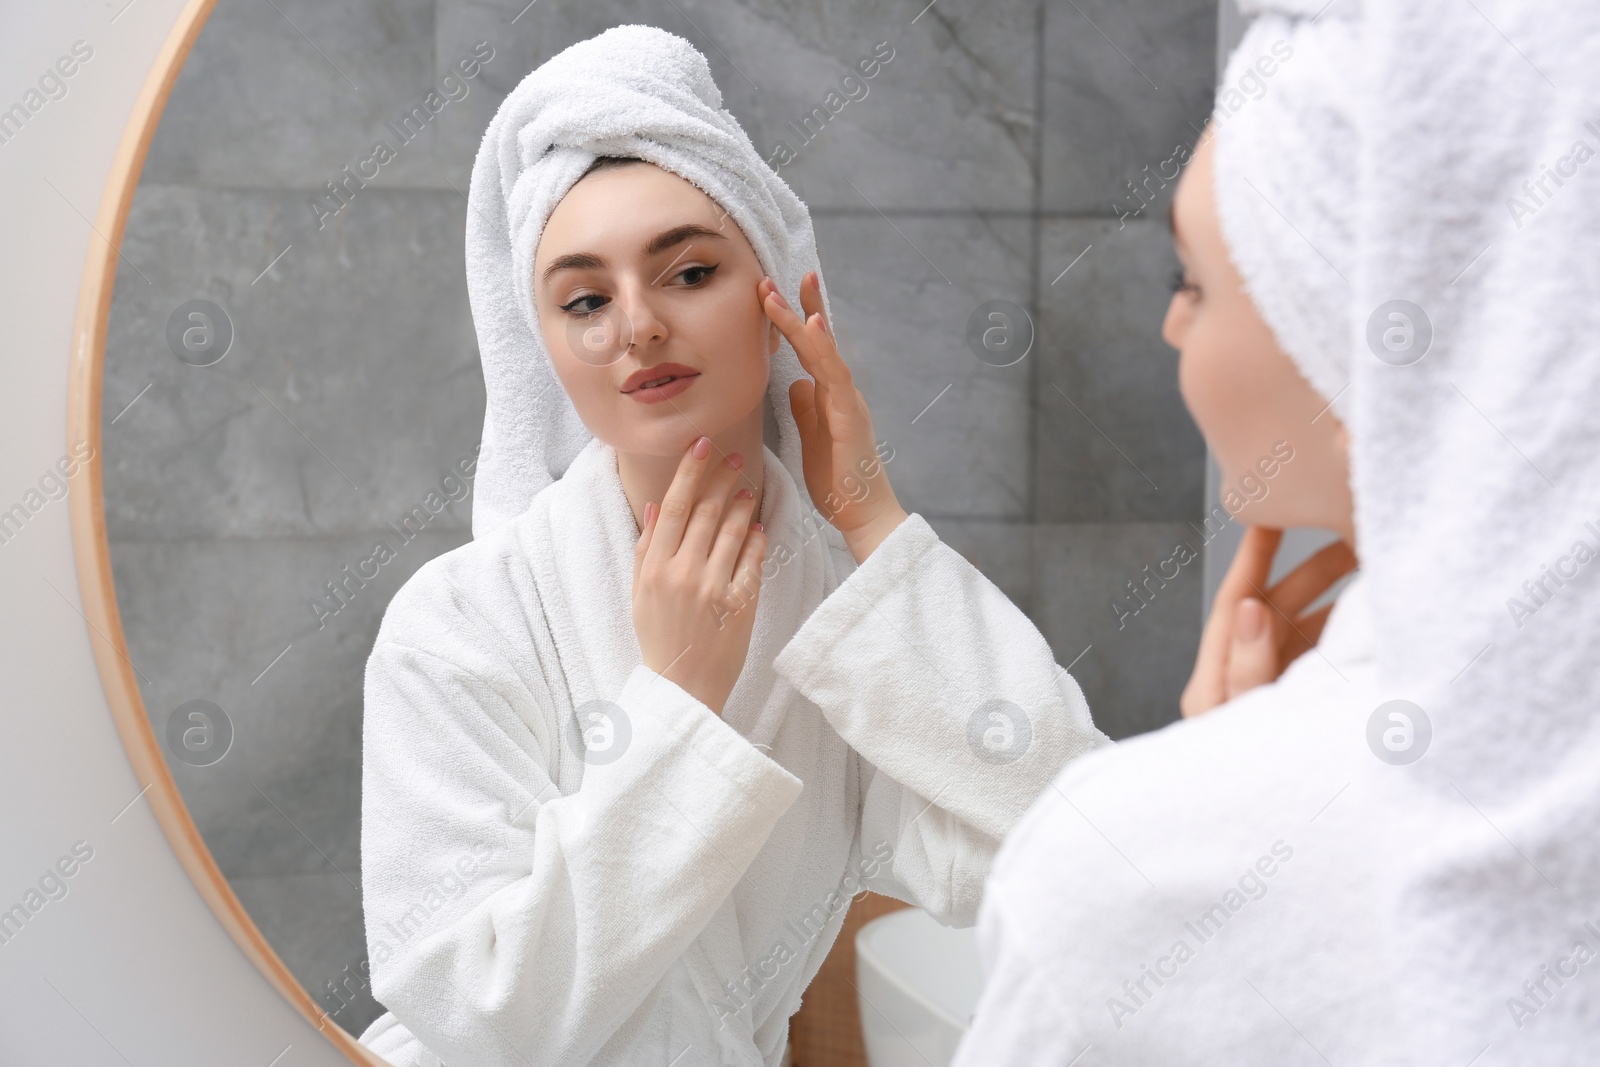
(918, 983)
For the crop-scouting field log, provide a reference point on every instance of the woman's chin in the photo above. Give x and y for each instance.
(671, 441)
(668, 429)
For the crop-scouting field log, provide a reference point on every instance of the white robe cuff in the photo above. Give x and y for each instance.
(912, 658)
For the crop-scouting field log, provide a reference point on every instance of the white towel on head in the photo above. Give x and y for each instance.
(630, 91)
(1311, 11)
(1285, 178)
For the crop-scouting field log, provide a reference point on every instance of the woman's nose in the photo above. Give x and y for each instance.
(1174, 324)
(643, 322)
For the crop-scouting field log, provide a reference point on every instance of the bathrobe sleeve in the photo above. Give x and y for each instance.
(954, 703)
(510, 925)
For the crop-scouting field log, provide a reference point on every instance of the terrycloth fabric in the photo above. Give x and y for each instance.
(1478, 469)
(630, 91)
(1285, 178)
(524, 907)
(1134, 907)
(1306, 10)
(1439, 912)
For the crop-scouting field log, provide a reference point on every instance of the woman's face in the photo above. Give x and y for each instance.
(639, 277)
(1243, 390)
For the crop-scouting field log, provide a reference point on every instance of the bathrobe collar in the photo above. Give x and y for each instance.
(585, 517)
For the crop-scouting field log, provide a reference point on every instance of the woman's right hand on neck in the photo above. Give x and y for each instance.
(697, 576)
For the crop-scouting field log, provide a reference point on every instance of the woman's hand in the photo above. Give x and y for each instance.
(697, 576)
(844, 475)
(1254, 633)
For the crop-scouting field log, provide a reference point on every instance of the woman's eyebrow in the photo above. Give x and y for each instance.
(678, 234)
(657, 244)
(573, 261)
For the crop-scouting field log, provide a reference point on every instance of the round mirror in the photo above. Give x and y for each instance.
(290, 402)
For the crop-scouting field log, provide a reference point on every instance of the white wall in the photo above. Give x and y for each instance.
(130, 966)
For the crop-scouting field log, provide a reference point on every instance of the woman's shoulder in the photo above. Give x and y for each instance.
(477, 595)
(389, 1038)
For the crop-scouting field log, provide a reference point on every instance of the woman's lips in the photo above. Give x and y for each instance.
(655, 394)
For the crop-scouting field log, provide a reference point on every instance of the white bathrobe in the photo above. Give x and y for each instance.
(1138, 911)
(525, 906)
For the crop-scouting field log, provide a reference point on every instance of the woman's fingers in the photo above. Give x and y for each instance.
(1253, 652)
(808, 333)
(833, 411)
(745, 589)
(680, 498)
(1207, 686)
(706, 515)
(833, 377)
(810, 294)
(824, 347)
(790, 324)
(642, 548)
(1306, 631)
(802, 401)
(815, 448)
(1252, 633)
(822, 408)
(1252, 563)
(1313, 577)
(731, 537)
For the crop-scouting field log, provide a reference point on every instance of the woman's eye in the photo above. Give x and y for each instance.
(700, 274)
(1181, 284)
(576, 308)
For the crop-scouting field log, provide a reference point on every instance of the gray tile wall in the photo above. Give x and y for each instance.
(990, 160)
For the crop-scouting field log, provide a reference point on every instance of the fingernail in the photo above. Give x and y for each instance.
(1252, 619)
(779, 298)
(744, 494)
(757, 526)
(702, 448)
(649, 511)
(735, 460)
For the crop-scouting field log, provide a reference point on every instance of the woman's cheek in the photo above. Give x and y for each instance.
(1201, 367)
(598, 404)
(745, 369)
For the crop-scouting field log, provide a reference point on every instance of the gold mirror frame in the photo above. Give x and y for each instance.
(92, 552)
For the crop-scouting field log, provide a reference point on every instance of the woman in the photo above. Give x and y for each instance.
(1383, 858)
(615, 796)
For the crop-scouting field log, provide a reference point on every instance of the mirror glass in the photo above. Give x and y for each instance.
(293, 397)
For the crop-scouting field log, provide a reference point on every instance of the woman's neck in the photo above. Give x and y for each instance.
(647, 477)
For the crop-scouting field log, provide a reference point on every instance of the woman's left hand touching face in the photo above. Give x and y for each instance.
(844, 474)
